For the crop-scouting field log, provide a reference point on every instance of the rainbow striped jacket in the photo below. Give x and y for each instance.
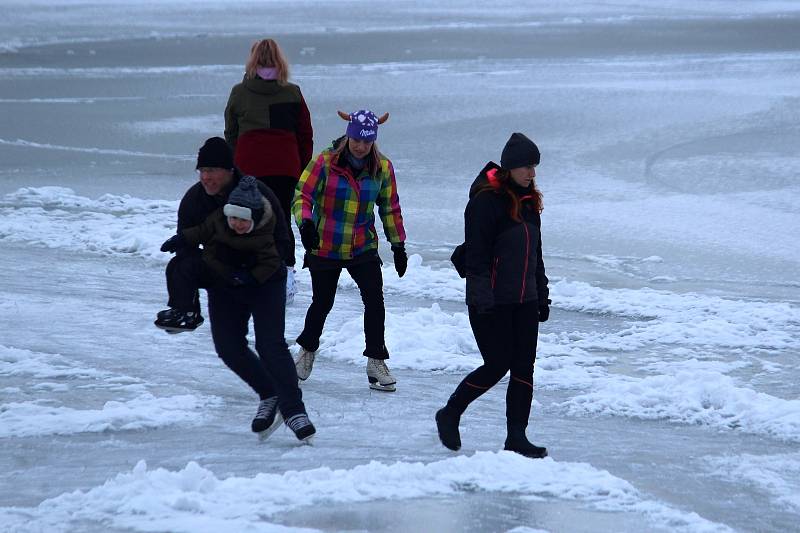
(343, 206)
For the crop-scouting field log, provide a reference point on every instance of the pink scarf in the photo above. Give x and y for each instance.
(267, 73)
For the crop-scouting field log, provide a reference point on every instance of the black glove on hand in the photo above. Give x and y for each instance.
(241, 278)
(309, 236)
(544, 311)
(400, 258)
(174, 243)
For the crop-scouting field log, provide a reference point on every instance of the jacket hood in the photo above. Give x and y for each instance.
(268, 214)
(259, 86)
(486, 175)
(483, 177)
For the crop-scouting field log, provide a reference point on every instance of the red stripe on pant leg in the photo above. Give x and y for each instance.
(522, 381)
(478, 386)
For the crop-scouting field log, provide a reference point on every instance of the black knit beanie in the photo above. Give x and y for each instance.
(519, 151)
(215, 153)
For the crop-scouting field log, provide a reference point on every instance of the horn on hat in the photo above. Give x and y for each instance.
(383, 118)
(344, 115)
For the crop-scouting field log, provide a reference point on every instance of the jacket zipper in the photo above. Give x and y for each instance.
(494, 270)
(527, 254)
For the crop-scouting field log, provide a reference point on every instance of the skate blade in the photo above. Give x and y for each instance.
(384, 388)
(308, 441)
(174, 330)
(262, 435)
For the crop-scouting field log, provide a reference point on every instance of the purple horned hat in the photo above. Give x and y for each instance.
(363, 124)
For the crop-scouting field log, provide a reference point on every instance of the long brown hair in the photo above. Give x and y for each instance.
(267, 53)
(373, 165)
(499, 182)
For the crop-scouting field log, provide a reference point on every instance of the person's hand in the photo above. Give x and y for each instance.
(174, 243)
(544, 311)
(309, 236)
(400, 258)
(241, 278)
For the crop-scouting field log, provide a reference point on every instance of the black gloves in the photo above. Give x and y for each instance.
(174, 243)
(240, 278)
(400, 258)
(544, 310)
(309, 236)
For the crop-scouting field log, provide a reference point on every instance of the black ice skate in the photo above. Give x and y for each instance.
(302, 427)
(174, 321)
(267, 418)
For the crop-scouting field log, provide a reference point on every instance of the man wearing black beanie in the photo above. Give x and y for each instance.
(230, 307)
(215, 153)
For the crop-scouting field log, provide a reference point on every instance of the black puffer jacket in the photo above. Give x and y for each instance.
(196, 206)
(503, 257)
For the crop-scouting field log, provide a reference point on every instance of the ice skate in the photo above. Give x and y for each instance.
(268, 418)
(302, 427)
(175, 321)
(379, 376)
(304, 363)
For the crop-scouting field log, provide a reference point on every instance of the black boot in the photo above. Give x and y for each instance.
(517, 442)
(447, 424)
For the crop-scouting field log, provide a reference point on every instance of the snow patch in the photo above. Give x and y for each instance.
(692, 396)
(34, 419)
(194, 499)
(17, 362)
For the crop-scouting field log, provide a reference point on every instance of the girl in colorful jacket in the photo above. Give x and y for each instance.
(334, 207)
(506, 291)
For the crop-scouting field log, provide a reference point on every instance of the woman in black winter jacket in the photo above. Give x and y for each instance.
(506, 291)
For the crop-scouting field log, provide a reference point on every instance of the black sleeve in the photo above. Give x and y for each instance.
(281, 234)
(185, 218)
(479, 227)
(542, 290)
(189, 216)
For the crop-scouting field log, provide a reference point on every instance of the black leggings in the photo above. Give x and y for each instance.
(507, 339)
(369, 279)
(283, 187)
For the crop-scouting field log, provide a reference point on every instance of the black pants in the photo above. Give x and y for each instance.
(507, 339)
(283, 187)
(272, 372)
(186, 273)
(369, 279)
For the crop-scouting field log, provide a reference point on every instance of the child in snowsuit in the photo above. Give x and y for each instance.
(238, 249)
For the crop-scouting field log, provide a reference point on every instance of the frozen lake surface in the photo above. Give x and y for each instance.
(667, 378)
